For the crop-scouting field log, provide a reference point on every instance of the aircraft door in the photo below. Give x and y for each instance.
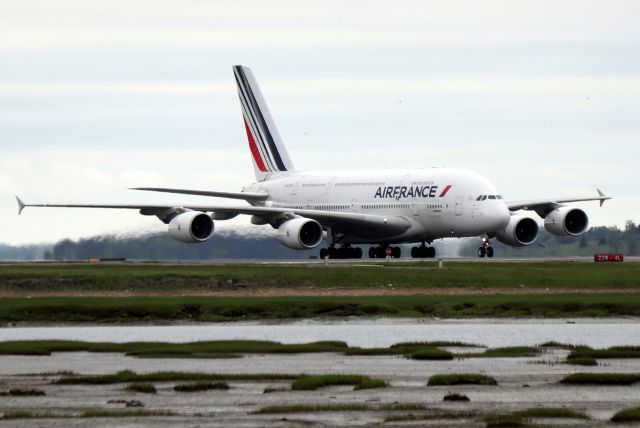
(458, 207)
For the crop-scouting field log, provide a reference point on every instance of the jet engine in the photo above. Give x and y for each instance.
(191, 226)
(566, 221)
(521, 231)
(300, 233)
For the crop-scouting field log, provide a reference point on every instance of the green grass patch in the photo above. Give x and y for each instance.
(461, 379)
(613, 352)
(88, 414)
(522, 418)
(627, 415)
(505, 352)
(217, 309)
(601, 379)
(582, 361)
(430, 354)
(351, 407)
(129, 276)
(127, 376)
(201, 386)
(17, 392)
(311, 383)
(143, 387)
(207, 349)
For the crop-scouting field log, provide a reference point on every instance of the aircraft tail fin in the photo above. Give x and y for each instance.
(268, 151)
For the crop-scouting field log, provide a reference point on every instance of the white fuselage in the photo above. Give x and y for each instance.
(439, 202)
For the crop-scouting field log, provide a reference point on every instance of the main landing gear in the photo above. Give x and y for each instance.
(381, 252)
(344, 252)
(423, 252)
(486, 249)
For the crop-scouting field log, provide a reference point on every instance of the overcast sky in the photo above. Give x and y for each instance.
(542, 97)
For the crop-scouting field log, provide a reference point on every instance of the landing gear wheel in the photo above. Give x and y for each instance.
(481, 252)
(414, 252)
(372, 252)
(324, 253)
(489, 251)
(358, 253)
(333, 253)
(431, 252)
(396, 252)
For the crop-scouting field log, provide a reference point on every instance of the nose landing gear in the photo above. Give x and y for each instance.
(343, 252)
(486, 249)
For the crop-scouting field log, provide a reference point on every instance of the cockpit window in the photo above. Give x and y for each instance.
(492, 196)
(484, 197)
(479, 198)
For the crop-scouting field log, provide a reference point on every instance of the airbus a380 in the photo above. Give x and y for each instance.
(343, 208)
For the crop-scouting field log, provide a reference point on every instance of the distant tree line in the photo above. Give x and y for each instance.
(249, 246)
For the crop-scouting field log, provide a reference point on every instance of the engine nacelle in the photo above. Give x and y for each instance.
(566, 221)
(300, 233)
(521, 231)
(191, 226)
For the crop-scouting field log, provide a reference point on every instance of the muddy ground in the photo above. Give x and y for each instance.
(522, 383)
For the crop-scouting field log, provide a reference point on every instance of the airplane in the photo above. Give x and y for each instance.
(345, 208)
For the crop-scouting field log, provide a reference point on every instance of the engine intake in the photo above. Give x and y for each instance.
(566, 221)
(300, 233)
(191, 226)
(521, 231)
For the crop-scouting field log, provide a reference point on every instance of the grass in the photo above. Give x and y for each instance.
(601, 379)
(201, 386)
(312, 383)
(17, 392)
(627, 415)
(87, 414)
(215, 349)
(127, 376)
(522, 418)
(352, 407)
(220, 309)
(143, 387)
(130, 276)
(505, 352)
(613, 352)
(454, 396)
(461, 379)
(582, 361)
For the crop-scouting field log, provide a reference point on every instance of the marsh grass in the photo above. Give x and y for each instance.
(313, 382)
(582, 361)
(87, 414)
(143, 387)
(201, 386)
(127, 376)
(627, 415)
(613, 352)
(505, 352)
(351, 407)
(17, 392)
(205, 349)
(461, 379)
(522, 418)
(601, 379)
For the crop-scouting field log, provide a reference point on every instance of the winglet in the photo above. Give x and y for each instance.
(602, 197)
(21, 205)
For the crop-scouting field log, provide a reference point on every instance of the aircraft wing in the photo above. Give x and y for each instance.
(545, 206)
(361, 224)
(231, 195)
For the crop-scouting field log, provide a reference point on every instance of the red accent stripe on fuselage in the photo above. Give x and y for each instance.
(254, 149)
(446, 189)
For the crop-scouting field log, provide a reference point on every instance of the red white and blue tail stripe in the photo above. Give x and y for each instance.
(267, 148)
